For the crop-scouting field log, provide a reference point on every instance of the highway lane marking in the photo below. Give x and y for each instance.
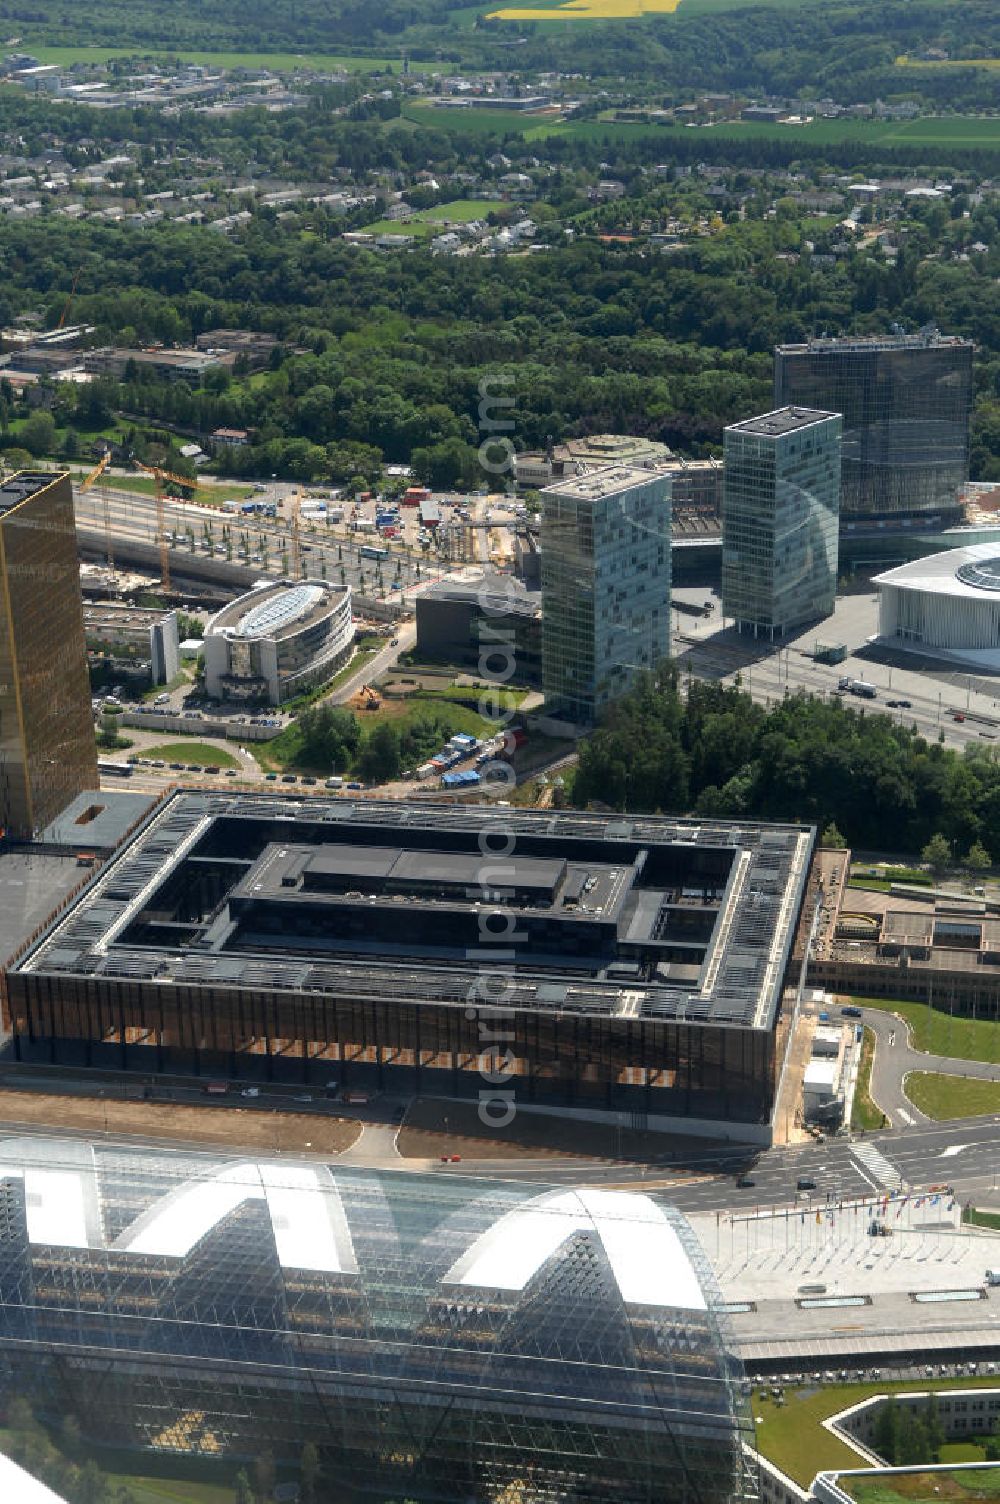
(901, 1112)
(952, 1149)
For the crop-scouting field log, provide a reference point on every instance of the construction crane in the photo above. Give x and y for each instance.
(84, 487)
(163, 478)
(189, 482)
(296, 541)
(69, 301)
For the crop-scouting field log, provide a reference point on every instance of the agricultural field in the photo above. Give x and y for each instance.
(948, 62)
(586, 10)
(557, 11)
(940, 132)
(278, 62)
(484, 122)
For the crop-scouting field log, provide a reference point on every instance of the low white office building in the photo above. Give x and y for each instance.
(947, 604)
(278, 641)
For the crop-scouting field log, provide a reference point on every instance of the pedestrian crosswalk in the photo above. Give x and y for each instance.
(882, 1172)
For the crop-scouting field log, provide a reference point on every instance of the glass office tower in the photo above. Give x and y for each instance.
(444, 1338)
(906, 402)
(47, 749)
(780, 515)
(605, 587)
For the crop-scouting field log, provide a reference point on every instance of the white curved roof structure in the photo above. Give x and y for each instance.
(278, 611)
(947, 604)
(972, 572)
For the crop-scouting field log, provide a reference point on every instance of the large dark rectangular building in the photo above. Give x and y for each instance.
(47, 749)
(589, 961)
(492, 625)
(906, 401)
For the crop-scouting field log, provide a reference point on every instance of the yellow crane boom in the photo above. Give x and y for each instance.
(84, 487)
(161, 478)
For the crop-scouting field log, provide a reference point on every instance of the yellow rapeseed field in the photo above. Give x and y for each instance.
(588, 10)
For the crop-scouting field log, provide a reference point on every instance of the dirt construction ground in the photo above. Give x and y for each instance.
(433, 1127)
(230, 1127)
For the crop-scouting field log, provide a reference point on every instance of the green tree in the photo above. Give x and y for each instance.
(264, 1476)
(937, 853)
(887, 1428)
(17, 458)
(243, 1492)
(92, 1486)
(19, 1416)
(978, 858)
(39, 435)
(380, 755)
(934, 1428)
(308, 1473)
(831, 837)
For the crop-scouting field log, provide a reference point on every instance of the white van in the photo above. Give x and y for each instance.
(334, 783)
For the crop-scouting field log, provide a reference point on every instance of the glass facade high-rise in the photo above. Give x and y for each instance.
(444, 1338)
(605, 587)
(780, 504)
(47, 750)
(906, 401)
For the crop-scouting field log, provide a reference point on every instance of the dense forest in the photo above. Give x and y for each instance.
(389, 352)
(713, 751)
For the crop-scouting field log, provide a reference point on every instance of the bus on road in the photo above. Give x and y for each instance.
(114, 769)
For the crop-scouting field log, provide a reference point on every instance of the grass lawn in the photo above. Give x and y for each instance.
(285, 751)
(975, 1218)
(427, 222)
(926, 1488)
(200, 752)
(211, 495)
(484, 121)
(864, 1113)
(792, 1434)
(945, 1097)
(470, 694)
(942, 1033)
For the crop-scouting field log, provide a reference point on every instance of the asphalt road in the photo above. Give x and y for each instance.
(964, 1155)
